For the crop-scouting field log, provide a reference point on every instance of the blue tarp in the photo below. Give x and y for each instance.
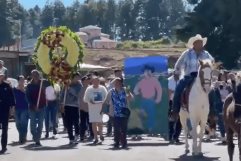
(135, 65)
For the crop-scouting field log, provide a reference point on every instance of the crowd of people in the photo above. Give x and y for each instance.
(86, 98)
(81, 104)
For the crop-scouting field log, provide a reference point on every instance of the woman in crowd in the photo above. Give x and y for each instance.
(95, 96)
(119, 98)
(21, 110)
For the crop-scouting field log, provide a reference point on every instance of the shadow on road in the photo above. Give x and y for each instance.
(32, 147)
(118, 149)
(147, 144)
(16, 143)
(192, 158)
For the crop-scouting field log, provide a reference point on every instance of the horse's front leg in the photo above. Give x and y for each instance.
(186, 140)
(184, 115)
(230, 143)
(200, 135)
(194, 136)
(239, 142)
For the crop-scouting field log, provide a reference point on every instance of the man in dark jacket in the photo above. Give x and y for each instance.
(6, 102)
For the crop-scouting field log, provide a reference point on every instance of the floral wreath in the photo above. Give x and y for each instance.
(58, 53)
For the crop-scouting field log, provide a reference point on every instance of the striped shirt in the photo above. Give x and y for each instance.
(189, 61)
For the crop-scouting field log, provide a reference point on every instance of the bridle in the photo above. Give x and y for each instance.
(204, 81)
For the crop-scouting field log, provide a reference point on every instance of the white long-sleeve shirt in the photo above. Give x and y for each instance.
(189, 61)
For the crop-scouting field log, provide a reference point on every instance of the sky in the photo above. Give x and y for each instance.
(27, 4)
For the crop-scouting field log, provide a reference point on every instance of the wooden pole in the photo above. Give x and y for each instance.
(39, 93)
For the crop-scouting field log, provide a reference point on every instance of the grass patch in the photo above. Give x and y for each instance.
(156, 44)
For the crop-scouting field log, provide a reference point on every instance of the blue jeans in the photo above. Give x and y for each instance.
(221, 125)
(36, 123)
(51, 113)
(149, 106)
(21, 119)
(183, 83)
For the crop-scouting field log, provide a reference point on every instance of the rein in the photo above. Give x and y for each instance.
(236, 104)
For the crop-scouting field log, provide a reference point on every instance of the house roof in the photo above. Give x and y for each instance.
(103, 34)
(81, 33)
(104, 39)
(90, 27)
(28, 45)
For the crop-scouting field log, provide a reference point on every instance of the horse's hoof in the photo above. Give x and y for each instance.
(187, 151)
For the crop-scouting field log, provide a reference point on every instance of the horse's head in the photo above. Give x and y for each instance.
(205, 74)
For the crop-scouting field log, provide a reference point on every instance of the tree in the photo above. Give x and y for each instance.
(4, 29)
(100, 11)
(126, 20)
(140, 21)
(175, 10)
(11, 16)
(87, 14)
(58, 12)
(47, 16)
(110, 18)
(34, 19)
(219, 21)
(72, 16)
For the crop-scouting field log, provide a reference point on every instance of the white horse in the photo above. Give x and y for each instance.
(198, 110)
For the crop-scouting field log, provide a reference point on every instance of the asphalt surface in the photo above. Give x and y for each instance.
(147, 149)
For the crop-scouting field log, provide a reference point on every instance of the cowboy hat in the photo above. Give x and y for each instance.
(196, 38)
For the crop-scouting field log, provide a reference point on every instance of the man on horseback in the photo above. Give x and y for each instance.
(189, 62)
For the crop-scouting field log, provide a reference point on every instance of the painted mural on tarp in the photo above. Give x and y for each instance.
(146, 78)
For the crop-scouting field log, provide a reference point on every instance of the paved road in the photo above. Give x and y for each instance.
(148, 149)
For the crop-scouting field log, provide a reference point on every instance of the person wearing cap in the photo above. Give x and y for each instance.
(95, 96)
(70, 106)
(7, 101)
(119, 97)
(189, 62)
(174, 131)
(3, 69)
(84, 111)
(35, 93)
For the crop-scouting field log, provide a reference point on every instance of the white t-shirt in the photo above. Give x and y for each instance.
(98, 95)
(95, 94)
(172, 83)
(50, 93)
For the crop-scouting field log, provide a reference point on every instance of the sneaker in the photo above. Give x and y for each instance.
(38, 144)
(76, 138)
(90, 138)
(71, 142)
(47, 135)
(223, 140)
(55, 136)
(116, 146)
(102, 138)
(55, 132)
(96, 141)
(177, 141)
(3, 151)
(124, 146)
